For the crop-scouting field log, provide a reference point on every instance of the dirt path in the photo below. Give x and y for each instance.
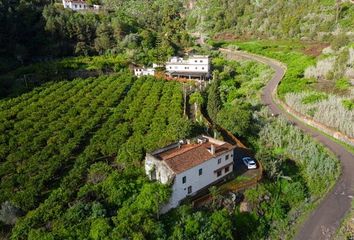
(325, 220)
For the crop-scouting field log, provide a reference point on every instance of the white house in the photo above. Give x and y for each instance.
(75, 5)
(190, 166)
(196, 66)
(143, 71)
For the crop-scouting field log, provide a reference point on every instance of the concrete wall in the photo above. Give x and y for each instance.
(156, 169)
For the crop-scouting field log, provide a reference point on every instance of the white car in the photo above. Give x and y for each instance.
(249, 162)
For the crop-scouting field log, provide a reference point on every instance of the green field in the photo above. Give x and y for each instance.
(72, 151)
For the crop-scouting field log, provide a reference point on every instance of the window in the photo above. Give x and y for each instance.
(218, 173)
(75, 6)
(227, 157)
(184, 179)
(80, 5)
(201, 60)
(196, 67)
(227, 169)
(203, 68)
(170, 67)
(196, 61)
(219, 160)
(189, 189)
(200, 171)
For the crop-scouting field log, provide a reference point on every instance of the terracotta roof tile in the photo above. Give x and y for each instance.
(191, 155)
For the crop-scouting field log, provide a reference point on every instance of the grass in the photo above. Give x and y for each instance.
(343, 84)
(288, 52)
(348, 147)
(348, 104)
(271, 206)
(236, 183)
(315, 97)
(346, 230)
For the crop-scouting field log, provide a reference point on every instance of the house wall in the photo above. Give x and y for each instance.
(201, 65)
(180, 190)
(156, 169)
(144, 71)
(75, 5)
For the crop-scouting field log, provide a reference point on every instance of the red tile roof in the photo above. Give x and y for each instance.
(191, 155)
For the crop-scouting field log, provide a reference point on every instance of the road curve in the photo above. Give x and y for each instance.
(323, 222)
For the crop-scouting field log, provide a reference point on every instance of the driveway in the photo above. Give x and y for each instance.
(325, 220)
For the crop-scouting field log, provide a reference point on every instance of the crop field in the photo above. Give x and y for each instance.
(63, 143)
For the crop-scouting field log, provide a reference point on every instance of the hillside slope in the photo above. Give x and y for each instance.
(315, 19)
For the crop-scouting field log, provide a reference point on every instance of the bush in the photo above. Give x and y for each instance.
(337, 110)
(235, 118)
(343, 84)
(339, 41)
(348, 104)
(314, 97)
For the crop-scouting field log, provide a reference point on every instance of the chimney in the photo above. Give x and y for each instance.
(212, 149)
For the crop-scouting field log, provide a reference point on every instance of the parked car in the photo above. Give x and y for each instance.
(249, 162)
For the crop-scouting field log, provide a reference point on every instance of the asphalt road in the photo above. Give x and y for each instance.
(325, 219)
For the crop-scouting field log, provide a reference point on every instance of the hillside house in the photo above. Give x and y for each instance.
(146, 71)
(143, 71)
(196, 67)
(190, 166)
(75, 5)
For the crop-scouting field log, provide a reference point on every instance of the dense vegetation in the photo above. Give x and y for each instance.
(25, 78)
(337, 115)
(290, 53)
(298, 170)
(136, 37)
(304, 19)
(72, 147)
(41, 30)
(310, 94)
(81, 144)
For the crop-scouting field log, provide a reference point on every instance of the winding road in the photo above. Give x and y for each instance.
(323, 222)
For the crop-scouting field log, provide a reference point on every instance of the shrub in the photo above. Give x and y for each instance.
(314, 97)
(335, 108)
(343, 84)
(348, 104)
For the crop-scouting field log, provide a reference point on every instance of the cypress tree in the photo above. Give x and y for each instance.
(214, 101)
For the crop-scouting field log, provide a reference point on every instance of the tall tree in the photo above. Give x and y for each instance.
(197, 100)
(214, 101)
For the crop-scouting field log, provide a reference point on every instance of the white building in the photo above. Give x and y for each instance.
(190, 166)
(196, 66)
(75, 5)
(142, 71)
